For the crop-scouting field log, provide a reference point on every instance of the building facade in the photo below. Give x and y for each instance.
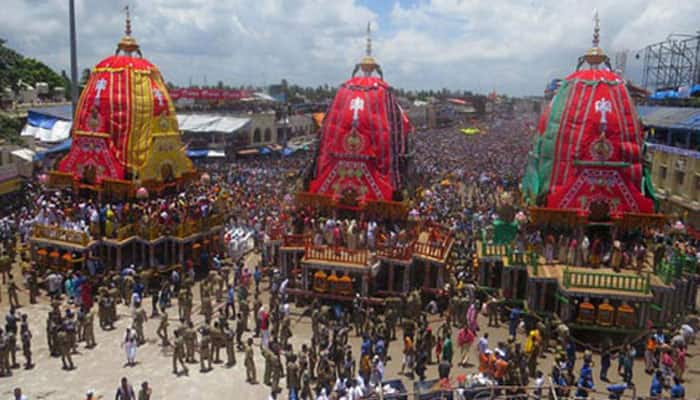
(673, 152)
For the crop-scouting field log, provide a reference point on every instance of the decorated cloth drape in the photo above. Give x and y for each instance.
(124, 110)
(363, 143)
(589, 148)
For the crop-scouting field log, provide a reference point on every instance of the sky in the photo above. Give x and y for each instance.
(510, 46)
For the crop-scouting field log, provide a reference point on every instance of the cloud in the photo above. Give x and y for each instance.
(513, 46)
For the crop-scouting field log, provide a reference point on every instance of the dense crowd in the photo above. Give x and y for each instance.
(462, 182)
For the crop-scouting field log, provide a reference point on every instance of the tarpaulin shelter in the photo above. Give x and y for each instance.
(49, 125)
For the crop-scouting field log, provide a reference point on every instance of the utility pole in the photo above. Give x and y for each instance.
(73, 58)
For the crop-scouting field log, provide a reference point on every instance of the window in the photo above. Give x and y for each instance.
(256, 135)
(680, 177)
(662, 173)
(268, 134)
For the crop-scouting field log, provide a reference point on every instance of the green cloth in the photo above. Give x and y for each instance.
(447, 350)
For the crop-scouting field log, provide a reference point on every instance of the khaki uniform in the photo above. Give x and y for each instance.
(275, 373)
(249, 365)
(293, 376)
(230, 350)
(207, 309)
(63, 343)
(4, 356)
(267, 371)
(140, 318)
(89, 333)
(12, 293)
(245, 312)
(179, 354)
(190, 337)
(205, 352)
(162, 331)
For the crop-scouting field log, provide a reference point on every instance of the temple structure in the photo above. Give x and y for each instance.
(364, 150)
(586, 164)
(125, 132)
(588, 192)
(358, 182)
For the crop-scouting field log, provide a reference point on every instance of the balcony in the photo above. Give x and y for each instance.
(336, 255)
(55, 233)
(606, 281)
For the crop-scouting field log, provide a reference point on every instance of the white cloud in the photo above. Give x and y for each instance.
(512, 46)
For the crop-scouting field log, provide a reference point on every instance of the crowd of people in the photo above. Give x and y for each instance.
(460, 182)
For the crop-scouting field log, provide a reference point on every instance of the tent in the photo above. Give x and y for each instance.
(44, 126)
(211, 123)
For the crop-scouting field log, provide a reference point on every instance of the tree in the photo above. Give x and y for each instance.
(84, 77)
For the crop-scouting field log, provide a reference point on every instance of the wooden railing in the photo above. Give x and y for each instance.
(397, 252)
(336, 254)
(434, 250)
(599, 280)
(64, 235)
(126, 231)
(495, 250)
(297, 240)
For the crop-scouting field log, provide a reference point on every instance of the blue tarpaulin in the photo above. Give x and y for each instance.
(59, 148)
(265, 150)
(287, 151)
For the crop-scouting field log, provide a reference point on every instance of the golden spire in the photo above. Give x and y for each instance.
(128, 44)
(595, 55)
(368, 64)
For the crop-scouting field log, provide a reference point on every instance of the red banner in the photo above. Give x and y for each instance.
(209, 94)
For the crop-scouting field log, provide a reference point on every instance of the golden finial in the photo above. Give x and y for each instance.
(128, 44)
(368, 64)
(595, 55)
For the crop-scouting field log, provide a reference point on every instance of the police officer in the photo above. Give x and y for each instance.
(229, 338)
(63, 344)
(179, 352)
(250, 363)
(190, 336)
(89, 332)
(140, 317)
(12, 293)
(205, 350)
(162, 331)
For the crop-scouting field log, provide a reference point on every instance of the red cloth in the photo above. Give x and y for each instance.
(362, 136)
(589, 165)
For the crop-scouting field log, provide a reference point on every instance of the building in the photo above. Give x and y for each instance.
(673, 150)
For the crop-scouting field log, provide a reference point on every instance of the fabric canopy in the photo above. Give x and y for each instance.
(211, 123)
(45, 127)
(208, 153)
